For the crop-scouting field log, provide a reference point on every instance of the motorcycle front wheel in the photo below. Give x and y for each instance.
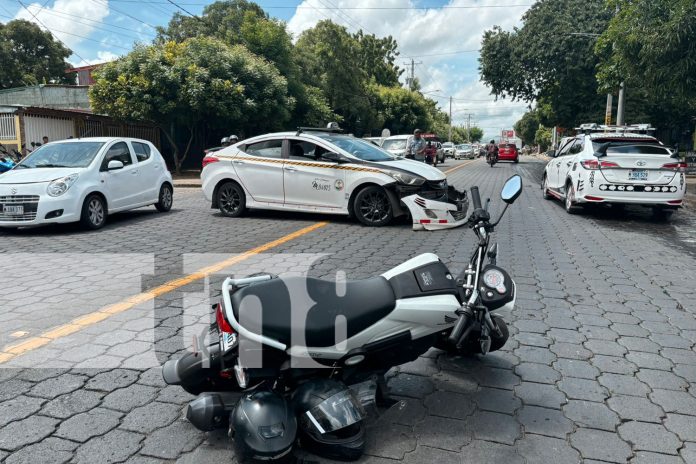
(472, 346)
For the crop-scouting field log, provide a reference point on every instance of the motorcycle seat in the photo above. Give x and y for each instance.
(265, 308)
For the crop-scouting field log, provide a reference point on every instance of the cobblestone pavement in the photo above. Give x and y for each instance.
(600, 366)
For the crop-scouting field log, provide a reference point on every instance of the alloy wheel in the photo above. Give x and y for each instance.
(96, 211)
(230, 199)
(375, 207)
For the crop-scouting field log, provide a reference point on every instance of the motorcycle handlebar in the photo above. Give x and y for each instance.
(475, 197)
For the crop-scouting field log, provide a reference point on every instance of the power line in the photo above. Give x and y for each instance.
(288, 7)
(456, 52)
(53, 34)
(106, 3)
(183, 9)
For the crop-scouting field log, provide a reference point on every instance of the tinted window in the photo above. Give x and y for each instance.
(394, 144)
(62, 154)
(358, 148)
(577, 147)
(302, 150)
(631, 148)
(119, 152)
(266, 149)
(564, 150)
(142, 151)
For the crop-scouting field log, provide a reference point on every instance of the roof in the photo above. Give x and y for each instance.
(97, 139)
(40, 86)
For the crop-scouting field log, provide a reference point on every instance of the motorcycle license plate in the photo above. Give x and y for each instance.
(638, 174)
(13, 209)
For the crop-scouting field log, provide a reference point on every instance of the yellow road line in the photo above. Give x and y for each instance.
(12, 351)
(458, 167)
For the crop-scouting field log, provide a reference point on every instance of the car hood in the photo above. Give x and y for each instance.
(416, 167)
(36, 175)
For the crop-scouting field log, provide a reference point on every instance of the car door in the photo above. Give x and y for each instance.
(310, 179)
(555, 165)
(568, 159)
(259, 167)
(150, 170)
(122, 186)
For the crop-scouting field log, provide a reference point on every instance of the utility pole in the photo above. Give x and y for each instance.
(620, 107)
(449, 139)
(468, 128)
(411, 80)
(607, 114)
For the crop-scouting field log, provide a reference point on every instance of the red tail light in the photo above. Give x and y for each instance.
(675, 167)
(595, 164)
(222, 323)
(209, 159)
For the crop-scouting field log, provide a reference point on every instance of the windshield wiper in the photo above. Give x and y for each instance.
(51, 166)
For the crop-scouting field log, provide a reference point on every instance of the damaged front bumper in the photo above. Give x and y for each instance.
(444, 213)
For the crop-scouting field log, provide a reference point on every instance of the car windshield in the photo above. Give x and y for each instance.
(448, 144)
(464, 147)
(394, 144)
(361, 149)
(62, 155)
(633, 148)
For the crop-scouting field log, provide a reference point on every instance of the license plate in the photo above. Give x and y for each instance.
(638, 174)
(13, 209)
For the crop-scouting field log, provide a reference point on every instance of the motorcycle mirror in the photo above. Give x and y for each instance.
(512, 189)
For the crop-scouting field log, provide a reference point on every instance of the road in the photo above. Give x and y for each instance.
(600, 365)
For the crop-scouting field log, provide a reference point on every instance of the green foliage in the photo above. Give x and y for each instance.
(194, 82)
(526, 128)
(460, 134)
(543, 137)
(377, 56)
(650, 45)
(30, 56)
(400, 110)
(542, 61)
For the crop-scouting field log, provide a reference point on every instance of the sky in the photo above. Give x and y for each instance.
(442, 37)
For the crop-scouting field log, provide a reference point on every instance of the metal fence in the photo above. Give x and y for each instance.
(7, 127)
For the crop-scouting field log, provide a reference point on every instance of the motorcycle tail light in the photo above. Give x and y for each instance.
(222, 323)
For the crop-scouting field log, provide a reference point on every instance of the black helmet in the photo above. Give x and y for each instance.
(330, 419)
(264, 427)
(492, 141)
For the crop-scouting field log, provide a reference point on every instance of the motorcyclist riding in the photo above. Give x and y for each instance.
(492, 152)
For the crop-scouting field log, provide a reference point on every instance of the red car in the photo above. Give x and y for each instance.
(508, 152)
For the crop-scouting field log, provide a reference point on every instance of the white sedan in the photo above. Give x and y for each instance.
(321, 171)
(84, 180)
(615, 167)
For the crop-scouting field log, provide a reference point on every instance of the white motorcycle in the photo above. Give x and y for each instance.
(354, 330)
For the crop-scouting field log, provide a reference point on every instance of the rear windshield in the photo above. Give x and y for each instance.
(633, 148)
(506, 145)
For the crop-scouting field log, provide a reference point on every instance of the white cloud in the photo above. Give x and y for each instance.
(427, 36)
(61, 18)
(103, 56)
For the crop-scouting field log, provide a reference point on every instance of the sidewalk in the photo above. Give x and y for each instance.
(187, 179)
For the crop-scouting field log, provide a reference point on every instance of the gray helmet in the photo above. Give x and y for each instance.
(233, 139)
(264, 427)
(330, 419)
(225, 141)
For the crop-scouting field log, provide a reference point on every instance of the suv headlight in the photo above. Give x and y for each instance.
(59, 186)
(407, 179)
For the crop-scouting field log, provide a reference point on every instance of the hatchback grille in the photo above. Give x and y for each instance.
(30, 203)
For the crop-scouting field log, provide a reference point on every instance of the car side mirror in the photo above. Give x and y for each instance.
(512, 189)
(334, 157)
(114, 165)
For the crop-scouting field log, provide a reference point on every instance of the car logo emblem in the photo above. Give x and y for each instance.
(338, 184)
(13, 191)
(641, 163)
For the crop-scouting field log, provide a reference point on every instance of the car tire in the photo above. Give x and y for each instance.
(166, 198)
(569, 201)
(372, 207)
(231, 199)
(517, 160)
(545, 189)
(94, 212)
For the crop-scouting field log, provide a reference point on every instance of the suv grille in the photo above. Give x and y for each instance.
(29, 202)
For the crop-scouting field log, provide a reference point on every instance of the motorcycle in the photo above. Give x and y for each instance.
(389, 320)
(492, 158)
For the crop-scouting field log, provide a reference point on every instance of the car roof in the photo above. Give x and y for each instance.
(99, 139)
(622, 136)
(398, 137)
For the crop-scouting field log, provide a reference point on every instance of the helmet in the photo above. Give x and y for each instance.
(492, 141)
(233, 139)
(225, 141)
(330, 419)
(264, 427)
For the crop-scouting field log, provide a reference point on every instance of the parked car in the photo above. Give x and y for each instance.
(375, 140)
(616, 168)
(84, 180)
(317, 170)
(397, 145)
(466, 151)
(448, 148)
(508, 152)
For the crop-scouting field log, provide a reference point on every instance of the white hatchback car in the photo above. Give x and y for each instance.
(320, 171)
(84, 180)
(615, 167)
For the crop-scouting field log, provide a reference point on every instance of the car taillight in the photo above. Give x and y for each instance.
(209, 159)
(222, 323)
(680, 167)
(594, 164)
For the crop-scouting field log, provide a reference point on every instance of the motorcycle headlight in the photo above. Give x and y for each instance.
(59, 186)
(407, 179)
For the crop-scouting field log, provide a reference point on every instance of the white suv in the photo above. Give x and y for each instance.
(616, 167)
(317, 171)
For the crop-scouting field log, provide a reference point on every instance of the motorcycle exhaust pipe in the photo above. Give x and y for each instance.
(192, 368)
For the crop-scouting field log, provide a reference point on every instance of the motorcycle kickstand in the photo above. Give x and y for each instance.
(382, 397)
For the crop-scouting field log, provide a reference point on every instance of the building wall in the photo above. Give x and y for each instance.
(47, 96)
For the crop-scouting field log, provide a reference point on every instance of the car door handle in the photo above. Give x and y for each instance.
(238, 162)
(290, 168)
(569, 163)
(134, 172)
(558, 164)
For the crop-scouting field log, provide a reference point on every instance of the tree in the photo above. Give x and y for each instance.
(30, 56)
(543, 137)
(400, 110)
(526, 127)
(186, 84)
(543, 61)
(460, 134)
(377, 56)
